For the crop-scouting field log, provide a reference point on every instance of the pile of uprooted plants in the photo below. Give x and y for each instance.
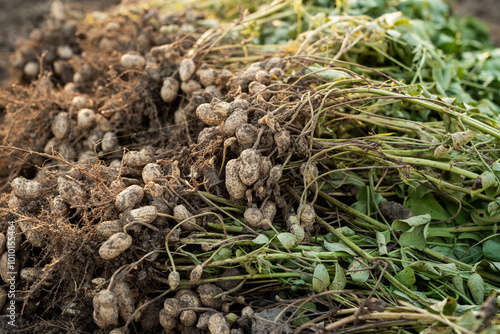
(292, 168)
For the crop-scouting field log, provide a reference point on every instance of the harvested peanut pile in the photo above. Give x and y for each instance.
(164, 175)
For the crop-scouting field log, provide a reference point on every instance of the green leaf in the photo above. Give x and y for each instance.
(321, 279)
(287, 239)
(339, 247)
(414, 231)
(461, 138)
(426, 205)
(446, 307)
(458, 283)
(490, 266)
(491, 249)
(382, 239)
(483, 182)
(476, 288)
(261, 239)
(439, 232)
(481, 217)
(468, 254)
(223, 253)
(357, 272)
(407, 224)
(339, 281)
(406, 277)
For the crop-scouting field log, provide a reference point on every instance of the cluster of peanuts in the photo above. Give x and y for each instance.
(229, 109)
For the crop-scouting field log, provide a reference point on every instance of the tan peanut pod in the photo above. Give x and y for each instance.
(207, 75)
(67, 151)
(223, 108)
(129, 198)
(248, 75)
(191, 86)
(188, 318)
(6, 271)
(188, 298)
(205, 113)
(119, 331)
(59, 206)
(298, 232)
(257, 88)
(213, 92)
(3, 241)
(105, 309)
(181, 213)
(250, 161)
(78, 102)
(235, 187)
(154, 189)
(125, 302)
(265, 167)
(169, 90)
(34, 236)
(269, 210)
(132, 61)
(31, 69)
(307, 216)
(263, 77)
(174, 280)
(186, 69)
(139, 158)
(3, 298)
(110, 142)
(207, 292)
(274, 175)
(253, 217)
(276, 73)
(208, 134)
(115, 245)
(310, 171)
(246, 134)
(61, 125)
(172, 307)
(247, 312)
(52, 146)
(30, 274)
(145, 214)
(102, 123)
(86, 119)
(203, 320)
(167, 321)
(151, 173)
(241, 103)
(196, 273)
(107, 228)
(283, 141)
(15, 202)
(27, 189)
(71, 192)
(234, 121)
(217, 324)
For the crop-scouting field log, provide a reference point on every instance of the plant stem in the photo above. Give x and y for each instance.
(373, 224)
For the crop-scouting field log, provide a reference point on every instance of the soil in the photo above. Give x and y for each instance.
(19, 18)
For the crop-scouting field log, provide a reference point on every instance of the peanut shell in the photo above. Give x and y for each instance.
(115, 245)
(234, 185)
